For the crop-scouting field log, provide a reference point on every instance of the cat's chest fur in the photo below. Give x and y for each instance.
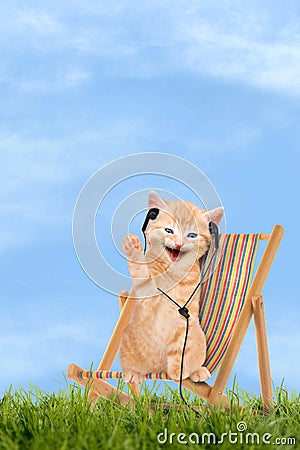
(159, 315)
(179, 286)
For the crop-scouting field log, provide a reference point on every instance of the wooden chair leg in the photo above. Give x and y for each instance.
(114, 343)
(262, 352)
(123, 295)
(203, 389)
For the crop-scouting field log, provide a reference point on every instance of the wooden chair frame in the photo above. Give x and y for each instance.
(254, 305)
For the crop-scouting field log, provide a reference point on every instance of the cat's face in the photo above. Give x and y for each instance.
(180, 228)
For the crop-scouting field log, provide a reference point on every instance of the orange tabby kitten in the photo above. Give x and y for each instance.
(153, 339)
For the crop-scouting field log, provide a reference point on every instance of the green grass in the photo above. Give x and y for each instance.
(38, 420)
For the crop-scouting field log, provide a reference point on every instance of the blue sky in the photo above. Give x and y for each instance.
(217, 83)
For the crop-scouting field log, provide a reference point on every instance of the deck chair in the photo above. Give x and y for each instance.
(229, 297)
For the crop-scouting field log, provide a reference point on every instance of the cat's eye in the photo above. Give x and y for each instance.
(168, 230)
(192, 235)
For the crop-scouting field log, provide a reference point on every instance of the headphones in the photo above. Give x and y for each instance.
(152, 215)
(214, 231)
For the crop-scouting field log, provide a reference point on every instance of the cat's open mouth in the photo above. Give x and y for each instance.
(173, 253)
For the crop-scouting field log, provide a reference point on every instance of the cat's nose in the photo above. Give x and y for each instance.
(178, 246)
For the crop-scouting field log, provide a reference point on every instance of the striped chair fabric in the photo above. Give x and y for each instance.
(224, 290)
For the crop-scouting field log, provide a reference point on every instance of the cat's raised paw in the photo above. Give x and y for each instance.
(131, 243)
(133, 377)
(201, 374)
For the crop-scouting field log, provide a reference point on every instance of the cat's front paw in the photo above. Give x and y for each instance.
(200, 374)
(132, 244)
(130, 376)
(174, 374)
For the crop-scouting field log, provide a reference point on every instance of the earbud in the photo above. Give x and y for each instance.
(213, 229)
(151, 215)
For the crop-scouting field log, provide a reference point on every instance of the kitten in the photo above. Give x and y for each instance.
(153, 339)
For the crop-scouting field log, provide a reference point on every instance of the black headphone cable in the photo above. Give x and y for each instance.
(183, 311)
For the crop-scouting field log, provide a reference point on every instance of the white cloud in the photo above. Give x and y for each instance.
(39, 22)
(252, 44)
(232, 55)
(29, 26)
(75, 77)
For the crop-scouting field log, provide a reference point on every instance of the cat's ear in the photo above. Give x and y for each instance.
(154, 201)
(215, 215)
